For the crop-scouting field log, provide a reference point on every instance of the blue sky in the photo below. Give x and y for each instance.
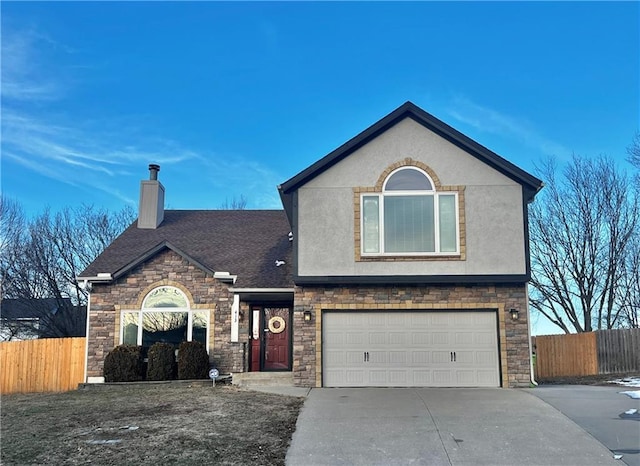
(235, 98)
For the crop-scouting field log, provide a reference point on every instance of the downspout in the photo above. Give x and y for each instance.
(532, 376)
(87, 287)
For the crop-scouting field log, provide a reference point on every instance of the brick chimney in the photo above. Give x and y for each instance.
(151, 208)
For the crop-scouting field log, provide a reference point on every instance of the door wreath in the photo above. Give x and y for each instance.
(272, 324)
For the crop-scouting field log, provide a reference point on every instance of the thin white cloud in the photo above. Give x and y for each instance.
(491, 121)
(97, 154)
(23, 75)
(56, 145)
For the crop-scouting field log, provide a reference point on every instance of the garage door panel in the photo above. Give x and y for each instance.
(422, 338)
(378, 357)
(486, 377)
(464, 339)
(399, 338)
(440, 319)
(442, 377)
(486, 339)
(336, 358)
(378, 338)
(398, 377)
(378, 377)
(441, 338)
(421, 319)
(465, 378)
(335, 339)
(430, 348)
(399, 357)
(441, 357)
(486, 358)
(355, 338)
(420, 358)
(355, 378)
(464, 357)
(422, 378)
(377, 320)
(354, 358)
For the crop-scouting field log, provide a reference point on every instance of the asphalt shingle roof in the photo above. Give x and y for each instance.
(245, 243)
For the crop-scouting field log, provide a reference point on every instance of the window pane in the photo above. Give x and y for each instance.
(447, 205)
(408, 179)
(167, 327)
(199, 328)
(130, 328)
(371, 224)
(165, 296)
(409, 224)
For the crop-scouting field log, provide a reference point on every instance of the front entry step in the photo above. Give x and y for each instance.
(263, 379)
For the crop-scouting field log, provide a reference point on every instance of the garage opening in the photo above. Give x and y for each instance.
(410, 349)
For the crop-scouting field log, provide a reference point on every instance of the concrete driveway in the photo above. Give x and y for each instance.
(603, 412)
(414, 426)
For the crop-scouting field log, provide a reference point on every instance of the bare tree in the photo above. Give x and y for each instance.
(41, 261)
(630, 286)
(235, 204)
(584, 235)
(634, 151)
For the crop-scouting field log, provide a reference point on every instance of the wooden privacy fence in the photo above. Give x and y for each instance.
(46, 365)
(603, 352)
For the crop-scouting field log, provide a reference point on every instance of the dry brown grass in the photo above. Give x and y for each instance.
(148, 424)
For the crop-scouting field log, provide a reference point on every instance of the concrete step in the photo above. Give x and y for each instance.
(263, 379)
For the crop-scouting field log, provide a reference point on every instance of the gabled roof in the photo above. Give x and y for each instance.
(530, 183)
(245, 243)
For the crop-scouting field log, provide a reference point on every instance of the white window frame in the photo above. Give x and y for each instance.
(436, 213)
(182, 310)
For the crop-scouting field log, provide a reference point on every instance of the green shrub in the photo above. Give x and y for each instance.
(193, 361)
(162, 362)
(124, 363)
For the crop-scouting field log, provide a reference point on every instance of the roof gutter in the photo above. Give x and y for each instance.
(225, 277)
(100, 278)
(262, 290)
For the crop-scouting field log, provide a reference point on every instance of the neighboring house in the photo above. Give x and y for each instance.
(27, 319)
(400, 259)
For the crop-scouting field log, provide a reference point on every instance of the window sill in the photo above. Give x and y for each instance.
(410, 257)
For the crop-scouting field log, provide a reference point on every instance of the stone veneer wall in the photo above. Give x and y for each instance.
(127, 293)
(513, 335)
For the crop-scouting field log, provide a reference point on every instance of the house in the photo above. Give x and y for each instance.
(400, 259)
(27, 319)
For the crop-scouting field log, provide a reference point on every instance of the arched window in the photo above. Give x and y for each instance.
(165, 317)
(409, 217)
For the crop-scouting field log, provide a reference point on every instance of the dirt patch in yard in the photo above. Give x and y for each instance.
(148, 424)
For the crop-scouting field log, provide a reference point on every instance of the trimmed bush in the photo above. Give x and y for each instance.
(162, 362)
(124, 363)
(193, 361)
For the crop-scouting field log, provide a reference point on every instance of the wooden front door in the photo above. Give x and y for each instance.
(276, 339)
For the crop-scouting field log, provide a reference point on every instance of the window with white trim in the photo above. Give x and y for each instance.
(409, 217)
(165, 317)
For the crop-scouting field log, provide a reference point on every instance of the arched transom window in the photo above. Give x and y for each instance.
(165, 317)
(409, 217)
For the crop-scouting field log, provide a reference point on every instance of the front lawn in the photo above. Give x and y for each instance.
(148, 424)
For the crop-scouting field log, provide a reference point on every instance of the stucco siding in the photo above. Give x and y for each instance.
(493, 213)
(409, 139)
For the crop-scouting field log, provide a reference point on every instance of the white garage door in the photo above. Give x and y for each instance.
(410, 349)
